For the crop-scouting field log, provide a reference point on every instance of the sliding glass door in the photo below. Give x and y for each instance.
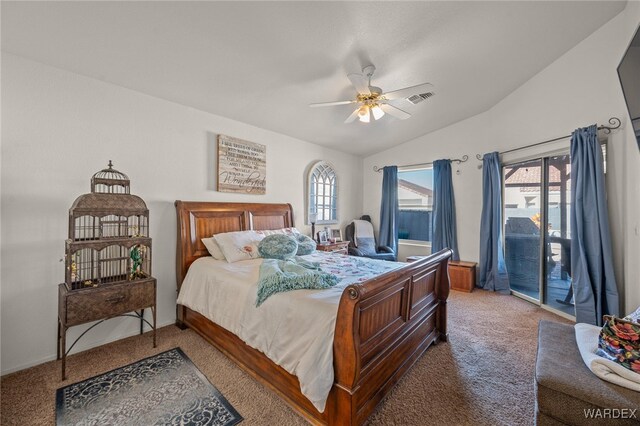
(537, 232)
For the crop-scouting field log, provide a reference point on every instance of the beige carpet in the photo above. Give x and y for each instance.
(483, 375)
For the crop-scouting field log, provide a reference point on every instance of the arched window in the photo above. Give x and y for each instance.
(323, 193)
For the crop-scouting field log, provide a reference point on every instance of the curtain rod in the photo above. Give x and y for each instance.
(455, 160)
(614, 121)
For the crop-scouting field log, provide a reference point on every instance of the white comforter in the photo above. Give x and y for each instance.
(294, 329)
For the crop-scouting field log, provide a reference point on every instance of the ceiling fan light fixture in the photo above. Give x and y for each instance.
(372, 101)
(363, 114)
(377, 112)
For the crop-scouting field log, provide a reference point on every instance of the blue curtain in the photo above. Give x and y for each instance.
(594, 284)
(445, 234)
(389, 210)
(493, 270)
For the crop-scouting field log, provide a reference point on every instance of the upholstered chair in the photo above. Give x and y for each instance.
(369, 249)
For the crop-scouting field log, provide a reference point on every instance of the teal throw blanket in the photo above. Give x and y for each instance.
(292, 274)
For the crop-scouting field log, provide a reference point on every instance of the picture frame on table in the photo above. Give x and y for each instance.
(322, 237)
(336, 235)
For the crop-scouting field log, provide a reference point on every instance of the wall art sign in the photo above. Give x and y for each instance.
(242, 166)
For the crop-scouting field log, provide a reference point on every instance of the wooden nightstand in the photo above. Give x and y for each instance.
(462, 275)
(102, 303)
(340, 247)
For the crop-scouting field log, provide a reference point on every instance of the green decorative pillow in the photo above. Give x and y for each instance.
(619, 341)
(306, 245)
(278, 246)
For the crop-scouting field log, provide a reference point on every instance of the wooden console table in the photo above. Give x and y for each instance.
(100, 304)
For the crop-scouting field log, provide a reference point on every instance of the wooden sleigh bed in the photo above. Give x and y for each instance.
(383, 324)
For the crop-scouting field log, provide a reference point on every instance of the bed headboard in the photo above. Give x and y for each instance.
(197, 219)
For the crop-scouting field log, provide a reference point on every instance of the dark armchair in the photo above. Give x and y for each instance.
(381, 252)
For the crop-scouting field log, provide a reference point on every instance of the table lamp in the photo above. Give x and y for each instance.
(312, 220)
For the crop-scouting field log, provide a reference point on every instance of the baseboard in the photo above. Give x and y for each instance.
(81, 348)
(559, 313)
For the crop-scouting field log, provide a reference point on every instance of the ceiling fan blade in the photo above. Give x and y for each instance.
(407, 91)
(324, 104)
(394, 111)
(352, 117)
(361, 83)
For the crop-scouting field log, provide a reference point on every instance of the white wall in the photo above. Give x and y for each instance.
(578, 89)
(58, 129)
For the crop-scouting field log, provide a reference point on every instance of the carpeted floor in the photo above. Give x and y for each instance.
(482, 376)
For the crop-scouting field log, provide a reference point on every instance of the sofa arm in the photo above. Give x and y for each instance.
(355, 252)
(385, 249)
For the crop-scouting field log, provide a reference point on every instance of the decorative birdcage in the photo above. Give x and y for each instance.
(108, 234)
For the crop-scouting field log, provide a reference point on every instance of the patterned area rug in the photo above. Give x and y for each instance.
(165, 389)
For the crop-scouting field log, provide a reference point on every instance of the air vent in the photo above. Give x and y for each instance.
(416, 99)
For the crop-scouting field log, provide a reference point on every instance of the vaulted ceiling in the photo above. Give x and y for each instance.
(262, 63)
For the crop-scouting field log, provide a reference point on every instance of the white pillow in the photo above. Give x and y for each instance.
(213, 248)
(240, 245)
(285, 231)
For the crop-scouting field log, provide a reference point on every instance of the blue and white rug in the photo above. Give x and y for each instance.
(165, 389)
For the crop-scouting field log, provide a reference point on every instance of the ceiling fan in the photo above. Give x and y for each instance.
(371, 101)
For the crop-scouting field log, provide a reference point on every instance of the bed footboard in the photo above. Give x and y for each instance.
(382, 328)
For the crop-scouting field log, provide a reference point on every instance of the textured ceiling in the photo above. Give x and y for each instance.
(262, 63)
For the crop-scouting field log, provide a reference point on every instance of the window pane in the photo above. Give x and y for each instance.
(522, 204)
(415, 188)
(322, 193)
(415, 198)
(558, 292)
